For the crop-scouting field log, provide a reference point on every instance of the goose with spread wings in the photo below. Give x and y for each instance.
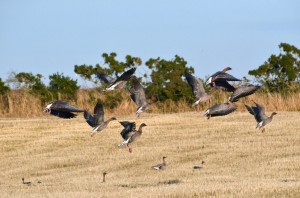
(220, 110)
(243, 91)
(97, 120)
(62, 109)
(130, 134)
(137, 94)
(259, 113)
(220, 78)
(198, 89)
(121, 81)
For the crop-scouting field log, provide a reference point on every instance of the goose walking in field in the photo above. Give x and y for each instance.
(120, 82)
(198, 89)
(220, 78)
(197, 167)
(62, 109)
(161, 166)
(220, 110)
(130, 134)
(258, 112)
(137, 94)
(97, 120)
(26, 183)
(243, 91)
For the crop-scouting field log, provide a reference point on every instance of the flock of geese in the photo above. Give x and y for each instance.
(130, 133)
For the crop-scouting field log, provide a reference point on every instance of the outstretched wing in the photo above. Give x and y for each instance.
(89, 118)
(137, 93)
(224, 76)
(222, 109)
(196, 84)
(128, 127)
(106, 78)
(64, 106)
(62, 114)
(223, 85)
(243, 91)
(98, 114)
(122, 80)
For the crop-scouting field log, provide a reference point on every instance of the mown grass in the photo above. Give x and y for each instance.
(240, 161)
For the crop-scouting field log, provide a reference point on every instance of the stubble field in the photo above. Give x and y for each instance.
(61, 159)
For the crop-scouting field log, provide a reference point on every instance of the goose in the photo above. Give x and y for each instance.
(120, 82)
(258, 112)
(243, 91)
(137, 94)
(197, 167)
(104, 174)
(26, 183)
(198, 89)
(161, 166)
(130, 134)
(103, 77)
(62, 109)
(220, 78)
(97, 120)
(220, 110)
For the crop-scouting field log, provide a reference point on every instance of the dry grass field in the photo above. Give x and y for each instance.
(61, 159)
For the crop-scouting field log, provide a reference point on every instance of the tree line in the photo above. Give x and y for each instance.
(280, 73)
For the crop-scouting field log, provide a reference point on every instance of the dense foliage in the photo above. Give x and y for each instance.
(280, 73)
(3, 88)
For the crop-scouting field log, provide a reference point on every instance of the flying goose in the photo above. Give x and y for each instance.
(130, 134)
(243, 91)
(198, 89)
(220, 110)
(120, 82)
(161, 166)
(62, 109)
(106, 78)
(97, 120)
(258, 112)
(137, 94)
(220, 78)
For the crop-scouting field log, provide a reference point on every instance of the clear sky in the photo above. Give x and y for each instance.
(52, 36)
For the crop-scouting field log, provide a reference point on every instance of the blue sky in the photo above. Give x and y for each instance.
(52, 36)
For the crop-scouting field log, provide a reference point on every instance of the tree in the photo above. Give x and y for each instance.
(115, 68)
(167, 79)
(281, 72)
(3, 88)
(63, 87)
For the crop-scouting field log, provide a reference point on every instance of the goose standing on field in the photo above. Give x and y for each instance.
(161, 166)
(130, 134)
(120, 82)
(62, 109)
(220, 78)
(26, 183)
(198, 89)
(97, 120)
(104, 174)
(259, 114)
(243, 91)
(220, 110)
(137, 94)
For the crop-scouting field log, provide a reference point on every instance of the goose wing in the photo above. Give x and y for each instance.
(106, 78)
(64, 106)
(243, 91)
(196, 84)
(89, 118)
(62, 114)
(98, 114)
(260, 112)
(128, 128)
(223, 85)
(122, 80)
(138, 93)
(222, 109)
(224, 76)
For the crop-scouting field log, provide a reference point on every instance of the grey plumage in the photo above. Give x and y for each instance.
(97, 120)
(62, 109)
(130, 134)
(198, 88)
(220, 110)
(161, 166)
(121, 81)
(258, 111)
(243, 91)
(137, 94)
(106, 78)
